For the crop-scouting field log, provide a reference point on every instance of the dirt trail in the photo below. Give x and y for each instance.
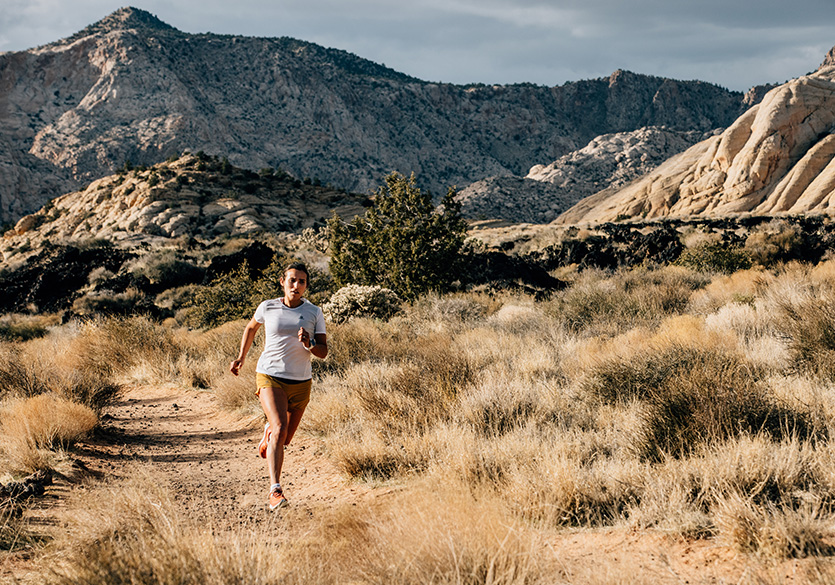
(209, 457)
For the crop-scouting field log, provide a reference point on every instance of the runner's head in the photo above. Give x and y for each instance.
(294, 282)
(300, 266)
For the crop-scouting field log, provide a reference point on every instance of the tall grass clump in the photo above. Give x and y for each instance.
(810, 326)
(693, 396)
(386, 386)
(15, 327)
(393, 405)
(32, 429)
(135, 534)
(599, 303)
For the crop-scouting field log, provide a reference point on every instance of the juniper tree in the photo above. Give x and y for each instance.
(403, 242)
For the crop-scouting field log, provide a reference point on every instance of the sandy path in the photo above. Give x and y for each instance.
(208, 457)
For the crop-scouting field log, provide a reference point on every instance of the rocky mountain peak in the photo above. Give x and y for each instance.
(828, 61)
(130, 17)
(126, 18)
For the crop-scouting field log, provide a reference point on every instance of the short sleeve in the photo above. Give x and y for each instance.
(259, 312)
(320, 321)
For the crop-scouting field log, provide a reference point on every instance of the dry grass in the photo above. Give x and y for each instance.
(599, 303)
(773, 530)
(135, 534)
(32, 429)
(695, 396)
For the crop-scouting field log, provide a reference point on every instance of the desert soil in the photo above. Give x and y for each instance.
(209, 457)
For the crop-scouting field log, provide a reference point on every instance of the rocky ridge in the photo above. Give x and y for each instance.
(776, 158)
(194, 196)
(608, 161)
(131, 87)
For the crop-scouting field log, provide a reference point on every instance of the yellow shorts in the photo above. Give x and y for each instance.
(298, 393)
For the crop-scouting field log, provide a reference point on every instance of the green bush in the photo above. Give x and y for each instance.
(230, 296)
(237, 294)
(402, 242)
(361, 301)
(716, 257)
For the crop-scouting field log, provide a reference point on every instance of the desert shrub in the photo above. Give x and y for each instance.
(32, 426)
(176, 298)
(715, 257)
(775, 531)
(105, 302)
(810, 326)
(236, 295)
(355, 300)
(16, 327)
(693, 396)
(402, 243)
(166, 269)
(599, 302)
(776, 242)
(229, 297)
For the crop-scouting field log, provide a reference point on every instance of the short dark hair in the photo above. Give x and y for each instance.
(300, 266)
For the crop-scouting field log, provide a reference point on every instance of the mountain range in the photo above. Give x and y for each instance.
(132, 89)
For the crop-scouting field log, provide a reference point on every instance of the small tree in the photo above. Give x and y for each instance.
(402, 242)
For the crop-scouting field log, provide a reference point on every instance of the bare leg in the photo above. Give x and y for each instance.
(295, 419)
(274, 403)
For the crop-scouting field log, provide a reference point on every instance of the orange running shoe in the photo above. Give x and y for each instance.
(262, 446)
(277, 499)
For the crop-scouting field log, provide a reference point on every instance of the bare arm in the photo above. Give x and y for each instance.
(246, 343)
(320, 350)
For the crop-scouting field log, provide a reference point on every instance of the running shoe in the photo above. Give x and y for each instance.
(277, 499)
(262, 446)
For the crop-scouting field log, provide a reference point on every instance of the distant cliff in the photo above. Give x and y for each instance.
(776, 158)
(131, 87)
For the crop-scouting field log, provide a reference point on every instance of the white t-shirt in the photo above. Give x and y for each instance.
(284, 356)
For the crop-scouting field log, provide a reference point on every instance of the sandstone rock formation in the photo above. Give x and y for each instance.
(189, 197)
(133, 88)
(611, 160)
(776, 158)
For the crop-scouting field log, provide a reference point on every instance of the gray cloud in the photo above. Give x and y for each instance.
(729, 42)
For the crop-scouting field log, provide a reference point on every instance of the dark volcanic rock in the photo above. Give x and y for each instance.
(50, 281)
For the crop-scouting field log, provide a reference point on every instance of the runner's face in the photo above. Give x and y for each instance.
(294, 283)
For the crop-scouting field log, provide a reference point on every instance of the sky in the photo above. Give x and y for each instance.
(733, 43)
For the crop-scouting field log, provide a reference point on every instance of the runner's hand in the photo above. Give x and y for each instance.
(304, 337)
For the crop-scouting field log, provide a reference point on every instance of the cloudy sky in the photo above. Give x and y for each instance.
(734, 43)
